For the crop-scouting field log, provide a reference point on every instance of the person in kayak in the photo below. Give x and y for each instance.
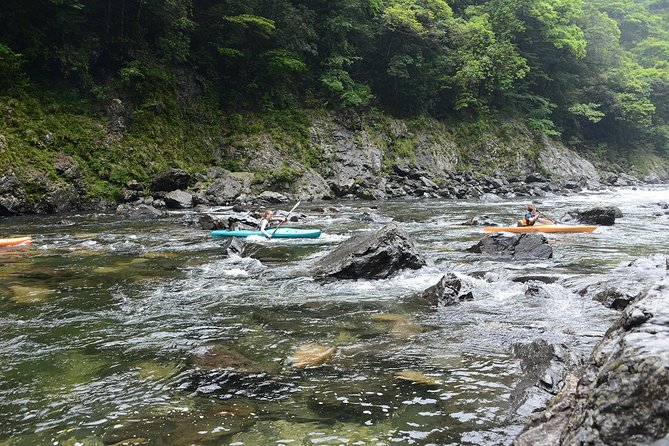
(266, 222)
(533, 217)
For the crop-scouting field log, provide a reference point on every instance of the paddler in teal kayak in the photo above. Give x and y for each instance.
(266, 222)
(533, 217)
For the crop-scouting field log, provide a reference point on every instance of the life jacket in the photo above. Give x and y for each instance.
(527, 219)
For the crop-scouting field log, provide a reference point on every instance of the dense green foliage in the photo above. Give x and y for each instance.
(595, 73)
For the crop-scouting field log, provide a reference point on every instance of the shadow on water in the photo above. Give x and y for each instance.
(102, 322)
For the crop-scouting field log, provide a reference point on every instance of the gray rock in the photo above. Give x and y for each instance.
(139, 212)
(371, 255)
(598, 215)
(621, 396)
(210, 222)
(178, 199)
(169, 180)
(228, 186)
(448, 291)
(13, 197)
(517, 246)
(617, 291)
(128, 196)
(480, 220)
(270, 197)
(235, 246)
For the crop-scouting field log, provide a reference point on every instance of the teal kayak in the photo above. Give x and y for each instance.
(278, 233)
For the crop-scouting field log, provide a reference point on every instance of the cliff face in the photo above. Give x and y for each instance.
(55, 165)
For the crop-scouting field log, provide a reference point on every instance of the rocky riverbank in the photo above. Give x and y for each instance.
(351, 159)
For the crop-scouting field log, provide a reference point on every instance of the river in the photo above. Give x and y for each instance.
(99, 317)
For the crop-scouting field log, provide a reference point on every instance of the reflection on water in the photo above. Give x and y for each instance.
(101, 323)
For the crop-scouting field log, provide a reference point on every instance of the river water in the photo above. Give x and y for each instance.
(99, 317)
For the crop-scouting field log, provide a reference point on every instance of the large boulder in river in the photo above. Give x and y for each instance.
(622, 395)
(371, 255)
(517, 246)
(169, 180)
(604, 215)
(178, 199)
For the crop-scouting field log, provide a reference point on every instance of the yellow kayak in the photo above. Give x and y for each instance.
(541, 228)
(15, 241)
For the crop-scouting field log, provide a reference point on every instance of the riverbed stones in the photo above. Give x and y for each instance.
(621, 396)
(517, 246)
(371, 255)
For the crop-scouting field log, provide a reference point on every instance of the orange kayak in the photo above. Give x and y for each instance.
(541, 228)
(15, 241)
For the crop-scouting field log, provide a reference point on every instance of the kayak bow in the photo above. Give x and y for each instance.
(15, 241)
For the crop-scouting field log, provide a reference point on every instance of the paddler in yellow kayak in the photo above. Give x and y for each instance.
(534, 217)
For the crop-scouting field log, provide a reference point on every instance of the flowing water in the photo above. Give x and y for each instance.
(99, 317)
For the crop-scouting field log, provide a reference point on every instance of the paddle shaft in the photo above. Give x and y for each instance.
(288, 215)
(548, 217)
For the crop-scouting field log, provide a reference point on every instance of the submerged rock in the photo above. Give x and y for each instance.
(417, 378)
(312, 355)
(183, 427)
(214, 357)
(30, 294)
(371, 255)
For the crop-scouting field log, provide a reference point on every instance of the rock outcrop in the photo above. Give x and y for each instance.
(621, 397)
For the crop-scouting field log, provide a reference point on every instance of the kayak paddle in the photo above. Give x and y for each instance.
(548, 217)
(287, 215)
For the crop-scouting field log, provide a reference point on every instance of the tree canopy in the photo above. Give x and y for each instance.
(594, 72)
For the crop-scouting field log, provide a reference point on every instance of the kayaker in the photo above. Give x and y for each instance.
(533, 217)
(266, 222)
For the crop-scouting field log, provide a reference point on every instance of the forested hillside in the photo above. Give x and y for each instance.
(186, 74)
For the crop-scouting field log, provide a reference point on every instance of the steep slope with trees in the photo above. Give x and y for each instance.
(123, 89)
